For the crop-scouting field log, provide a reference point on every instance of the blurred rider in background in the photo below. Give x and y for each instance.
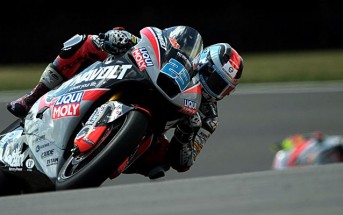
(220, 68)
(304, 149)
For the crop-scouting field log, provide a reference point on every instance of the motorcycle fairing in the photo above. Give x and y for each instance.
(180, 70)
(11, 145)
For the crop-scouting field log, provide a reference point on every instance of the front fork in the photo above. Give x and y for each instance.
(97, 124)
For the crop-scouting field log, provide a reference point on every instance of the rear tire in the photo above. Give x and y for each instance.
(92, 168)
(9, 185)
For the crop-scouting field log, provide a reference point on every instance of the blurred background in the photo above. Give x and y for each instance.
(278, 40)
(33, 32)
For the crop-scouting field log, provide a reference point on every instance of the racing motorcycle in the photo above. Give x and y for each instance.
(308, 150)
(95, 125)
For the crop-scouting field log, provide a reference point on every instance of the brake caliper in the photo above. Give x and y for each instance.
(94, 128)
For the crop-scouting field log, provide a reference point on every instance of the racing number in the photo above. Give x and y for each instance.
(177, 71)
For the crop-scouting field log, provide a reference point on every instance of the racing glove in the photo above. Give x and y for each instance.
(182, 152)
(117, 41)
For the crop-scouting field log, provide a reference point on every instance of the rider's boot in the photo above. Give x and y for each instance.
(158, 172)
(49, 80)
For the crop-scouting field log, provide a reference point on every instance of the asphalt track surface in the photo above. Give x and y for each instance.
(233, 173)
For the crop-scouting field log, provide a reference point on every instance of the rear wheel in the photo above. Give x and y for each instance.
(9, 185)
(92, 168)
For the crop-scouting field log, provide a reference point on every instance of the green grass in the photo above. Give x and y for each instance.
(19, 77)
(258, 68)
(293, 66)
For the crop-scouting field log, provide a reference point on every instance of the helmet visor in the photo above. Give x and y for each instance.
(215, 84)
(186, 39)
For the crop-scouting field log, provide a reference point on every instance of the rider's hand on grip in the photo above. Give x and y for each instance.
(116, 41)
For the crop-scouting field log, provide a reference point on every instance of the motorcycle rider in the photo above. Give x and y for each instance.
(219, 66)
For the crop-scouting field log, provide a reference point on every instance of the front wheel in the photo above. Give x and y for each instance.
(91, 169)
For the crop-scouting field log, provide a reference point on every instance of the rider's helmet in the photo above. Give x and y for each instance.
(220, 68)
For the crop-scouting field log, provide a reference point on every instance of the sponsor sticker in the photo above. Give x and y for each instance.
(30, 163)
(142, 58)
(67, 105)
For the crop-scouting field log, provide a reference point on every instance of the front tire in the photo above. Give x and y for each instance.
(92, 168)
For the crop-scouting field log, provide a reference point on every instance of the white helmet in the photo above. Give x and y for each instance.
(220, 68)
